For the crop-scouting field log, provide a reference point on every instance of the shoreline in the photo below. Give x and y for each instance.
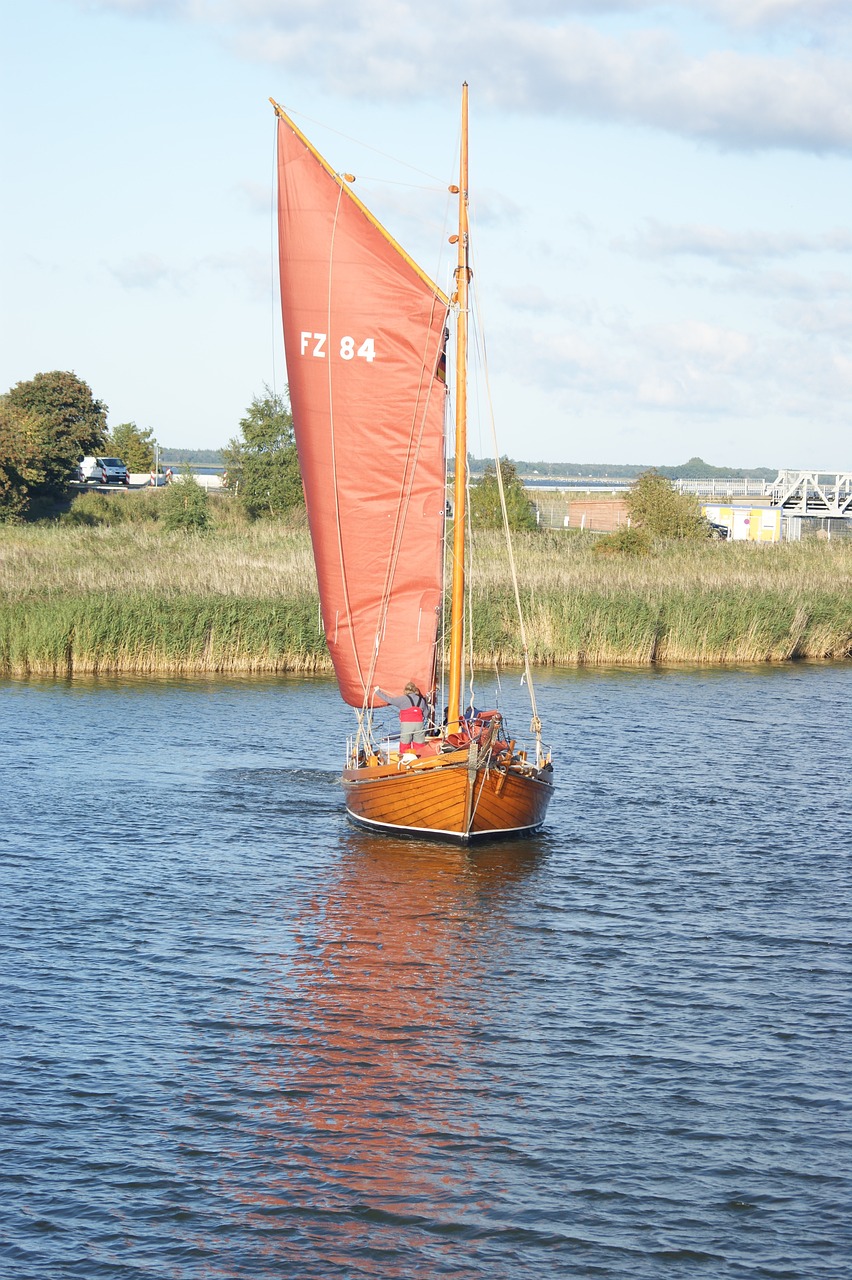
(99, 635)
(130, 599)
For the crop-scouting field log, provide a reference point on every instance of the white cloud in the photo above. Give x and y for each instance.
(248, 271)
(732, 248)
(735, 313)
(257, 196)
(143, 271)
(543, 61)
(693, 369)
(819, 319)
(793, 289)
(808, 14)
(733, 99)
(717, 350)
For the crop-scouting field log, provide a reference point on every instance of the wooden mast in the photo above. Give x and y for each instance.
(460, 479)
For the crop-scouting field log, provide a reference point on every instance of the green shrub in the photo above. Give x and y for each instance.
(655, 505)
(625, 540)
(185, 506)
(486, 510)
(262, 464)
(94, 509)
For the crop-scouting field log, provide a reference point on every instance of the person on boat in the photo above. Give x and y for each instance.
(414, 712)
(469, 714)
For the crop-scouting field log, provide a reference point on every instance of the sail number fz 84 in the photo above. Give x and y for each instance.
(316, 345)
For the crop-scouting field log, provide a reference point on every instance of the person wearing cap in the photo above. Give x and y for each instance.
(413, 713)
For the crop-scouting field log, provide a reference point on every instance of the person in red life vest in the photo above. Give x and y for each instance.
(413, 714)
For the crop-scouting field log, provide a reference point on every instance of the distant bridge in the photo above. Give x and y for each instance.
(796, 493)
(724, 487)
(813, 493)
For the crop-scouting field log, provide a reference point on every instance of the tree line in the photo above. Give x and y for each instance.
(694, 469)
(48, 424)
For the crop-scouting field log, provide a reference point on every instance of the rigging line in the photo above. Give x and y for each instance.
(443, 242)
(404, 501)
(407, 487)
(467, 639)
(397, 541)
(392, 182)
(536, 722)
(273, 191)
(364, 734)
(339, 529)
(444, 560)
(449, 433)
(398, 527)
(481, 788)
(469, 571)
(348, 137)
(441, 638)
(407, 481)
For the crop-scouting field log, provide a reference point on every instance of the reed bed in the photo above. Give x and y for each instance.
(130, 598)
(707, 602)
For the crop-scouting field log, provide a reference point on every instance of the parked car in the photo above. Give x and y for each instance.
(103, 471)
(719, 531)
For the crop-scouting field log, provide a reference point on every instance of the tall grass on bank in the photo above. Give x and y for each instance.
(129, 597)
(674, 625)
(143, 634)
(704, 602)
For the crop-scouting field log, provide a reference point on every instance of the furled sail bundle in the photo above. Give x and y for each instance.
(364, 333)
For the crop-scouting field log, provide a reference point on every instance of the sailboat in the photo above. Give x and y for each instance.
(365, 336)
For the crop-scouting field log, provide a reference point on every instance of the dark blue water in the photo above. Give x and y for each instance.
(242, 1039)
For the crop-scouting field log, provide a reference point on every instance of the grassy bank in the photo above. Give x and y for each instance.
(707, 602)
(131, 598)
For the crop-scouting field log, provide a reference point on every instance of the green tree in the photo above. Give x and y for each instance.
(133, 445)
(657, 507)
(185, 506)
(74, 424)
(485, 507)
(262, 465)
(23, 449)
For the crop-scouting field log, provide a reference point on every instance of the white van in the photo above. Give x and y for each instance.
(103, 471)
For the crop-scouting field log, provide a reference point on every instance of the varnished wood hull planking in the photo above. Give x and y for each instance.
(451, 802)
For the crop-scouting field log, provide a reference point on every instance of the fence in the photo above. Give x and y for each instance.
(724, 487)
(599, 514)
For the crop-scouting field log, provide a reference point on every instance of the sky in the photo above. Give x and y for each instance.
(661, 200)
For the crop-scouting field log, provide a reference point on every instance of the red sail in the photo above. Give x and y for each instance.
(364, 337)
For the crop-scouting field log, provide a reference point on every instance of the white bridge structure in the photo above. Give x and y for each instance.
(813, 493)
(723, 487)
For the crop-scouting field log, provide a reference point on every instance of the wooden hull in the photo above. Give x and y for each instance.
(449, 798)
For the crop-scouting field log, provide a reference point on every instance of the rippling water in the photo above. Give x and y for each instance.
(243, 1039)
